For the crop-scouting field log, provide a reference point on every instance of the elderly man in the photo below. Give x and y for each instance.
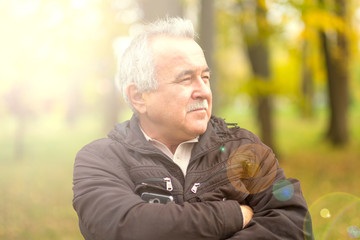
(174, 171)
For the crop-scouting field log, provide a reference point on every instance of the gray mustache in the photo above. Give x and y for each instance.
(199, 104)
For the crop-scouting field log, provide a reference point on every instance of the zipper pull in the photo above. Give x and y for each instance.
(195, 187)
(169, 185)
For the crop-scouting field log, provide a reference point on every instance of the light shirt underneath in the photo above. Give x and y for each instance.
(182, 153)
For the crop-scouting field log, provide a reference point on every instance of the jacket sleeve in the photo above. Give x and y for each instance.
(276, 216)
(280, 211)
(108, 208)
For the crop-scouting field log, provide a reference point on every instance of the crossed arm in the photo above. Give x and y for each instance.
(109, 209)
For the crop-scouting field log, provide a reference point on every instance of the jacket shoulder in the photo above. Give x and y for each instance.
(97, 147)
(232, 131)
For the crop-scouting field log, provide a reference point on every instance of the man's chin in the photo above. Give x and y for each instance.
(198, 122)
(200, 128)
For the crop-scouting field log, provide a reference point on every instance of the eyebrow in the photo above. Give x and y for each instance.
(190, 72)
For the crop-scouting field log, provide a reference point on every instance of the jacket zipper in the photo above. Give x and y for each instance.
(195, 187)
(167, 180)
(168, 183)
(198, 184)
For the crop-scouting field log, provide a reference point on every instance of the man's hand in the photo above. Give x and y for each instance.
(247, 213)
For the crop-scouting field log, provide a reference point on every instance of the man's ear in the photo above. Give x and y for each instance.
(136, 98)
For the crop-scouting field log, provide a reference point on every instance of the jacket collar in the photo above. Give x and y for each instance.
(211, 138)
(129, 134)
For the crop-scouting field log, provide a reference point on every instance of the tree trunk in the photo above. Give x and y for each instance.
(336, 60)
(259, 59)
(207, 33)
(307, 83)
(106, 67)
(255, 34)
(155, 9)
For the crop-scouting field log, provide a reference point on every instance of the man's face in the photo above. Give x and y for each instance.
(180, 108)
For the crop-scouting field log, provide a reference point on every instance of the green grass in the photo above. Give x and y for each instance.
(36, 191)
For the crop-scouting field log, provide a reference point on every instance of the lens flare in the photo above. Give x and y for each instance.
(325, 213)
(339, 216)
(354, 231)
(251, 168)
(283, 190)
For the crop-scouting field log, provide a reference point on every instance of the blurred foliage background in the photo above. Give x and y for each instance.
(288, 70)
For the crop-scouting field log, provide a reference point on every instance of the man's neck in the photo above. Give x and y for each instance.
(171, 145)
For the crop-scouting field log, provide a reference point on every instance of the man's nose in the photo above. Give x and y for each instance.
(201, 89)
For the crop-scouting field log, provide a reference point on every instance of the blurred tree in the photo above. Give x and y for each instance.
(307, 81)
(256, 33)
(19, 105)
(309, 53)
(117, 17)
(74, 104)
(154, 9)
(335, 46)
(207, 37)
(106, 60)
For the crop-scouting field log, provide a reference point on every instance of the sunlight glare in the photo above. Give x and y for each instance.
(21, 8)
(79, 4)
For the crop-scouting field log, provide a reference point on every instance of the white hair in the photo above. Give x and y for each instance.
(136, 63)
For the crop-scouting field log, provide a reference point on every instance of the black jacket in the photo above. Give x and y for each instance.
(228, 166)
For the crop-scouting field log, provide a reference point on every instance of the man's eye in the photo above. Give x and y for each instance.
(206, 78)
(185, 80)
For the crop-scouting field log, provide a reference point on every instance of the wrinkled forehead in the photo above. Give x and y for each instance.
(169, 51)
